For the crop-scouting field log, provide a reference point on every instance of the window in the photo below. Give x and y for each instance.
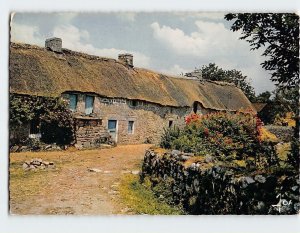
(130, 127)
(72, 102)
(134, 103)
(170, 124)
(89, 104)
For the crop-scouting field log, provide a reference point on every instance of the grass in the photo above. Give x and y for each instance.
(141, 199)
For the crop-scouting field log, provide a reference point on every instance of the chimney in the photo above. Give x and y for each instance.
(54, 44)
(126, 59)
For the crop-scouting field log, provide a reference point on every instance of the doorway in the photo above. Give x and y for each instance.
(112, 129)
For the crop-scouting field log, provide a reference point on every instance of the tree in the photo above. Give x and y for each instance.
(263, 97)
(214, 73)
(279, 33)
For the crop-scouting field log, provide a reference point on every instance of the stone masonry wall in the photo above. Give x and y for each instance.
(149, 119)
(207, 188)
(91, 133)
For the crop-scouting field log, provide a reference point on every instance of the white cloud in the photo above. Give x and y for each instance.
(26, 34)
(75, 39)
(211, 39)
(175, 70)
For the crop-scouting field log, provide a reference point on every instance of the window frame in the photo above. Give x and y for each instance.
(76, 102)
(85, 104)
(132, 127)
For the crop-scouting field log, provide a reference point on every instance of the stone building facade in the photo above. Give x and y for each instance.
(135, 121)
(112, 99)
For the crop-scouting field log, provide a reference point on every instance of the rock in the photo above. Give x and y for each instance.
(189, 154)
(260, 179)
(294, 188)
(176, 152)
(247, 181)
(25, 166)
(31, 167)
(48, 147)
(14, 148)
(51, 166)
(126, 172)
(23, 148)
(94, 170)
(42, 166)
(208, 159)
(183, 158)
(46, 163)
(136, 172)
(105, 146)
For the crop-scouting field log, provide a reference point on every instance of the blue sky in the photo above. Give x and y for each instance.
(170, 43)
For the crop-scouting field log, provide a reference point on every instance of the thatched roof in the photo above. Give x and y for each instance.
(37, 71)
(259, 106)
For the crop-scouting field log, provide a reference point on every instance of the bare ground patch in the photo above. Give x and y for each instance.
(71, 188)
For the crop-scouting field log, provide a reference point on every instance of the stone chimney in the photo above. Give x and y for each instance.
(126, 59)
(54, 44)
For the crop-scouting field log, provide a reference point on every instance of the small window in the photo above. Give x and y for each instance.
(89, 104)
(134, 103)
(170, 124)
(130, 127)
(72, 102)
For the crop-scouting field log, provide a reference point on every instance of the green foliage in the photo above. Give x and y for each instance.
(263, 97)
(142, 200)
(214, 73)
(168, 136)
(279, 34)
(55, 118)
(285, 100)
(228, 136)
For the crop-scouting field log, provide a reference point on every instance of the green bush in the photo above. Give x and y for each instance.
(52, 113)
(222, 134)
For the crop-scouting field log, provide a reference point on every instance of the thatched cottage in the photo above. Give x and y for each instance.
(108, 96)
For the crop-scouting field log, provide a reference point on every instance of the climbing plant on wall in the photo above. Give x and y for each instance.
(55, 118)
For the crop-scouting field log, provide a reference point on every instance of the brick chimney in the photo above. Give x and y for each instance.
(54, 44)
(126, 59)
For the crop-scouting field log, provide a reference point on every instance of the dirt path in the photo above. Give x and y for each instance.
(72, 188)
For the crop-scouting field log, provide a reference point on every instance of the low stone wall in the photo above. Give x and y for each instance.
(206, 188)
(283, 133)
(91, 134)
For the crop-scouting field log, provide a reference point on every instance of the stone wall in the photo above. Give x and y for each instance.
(149, 119)
(207, 188)
(18, 133)
(90, 133)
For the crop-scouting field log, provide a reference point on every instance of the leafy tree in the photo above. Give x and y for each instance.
(263, 97)
(214, 73)
(279, 33)
(53, 114)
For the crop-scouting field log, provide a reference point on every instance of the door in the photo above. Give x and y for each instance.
(112, 129)
(89, 104)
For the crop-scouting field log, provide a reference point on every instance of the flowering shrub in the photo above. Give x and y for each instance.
(223, 134)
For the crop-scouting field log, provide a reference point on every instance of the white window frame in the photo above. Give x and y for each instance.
(133, 127)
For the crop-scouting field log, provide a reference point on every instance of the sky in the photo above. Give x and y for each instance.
(167, 42)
